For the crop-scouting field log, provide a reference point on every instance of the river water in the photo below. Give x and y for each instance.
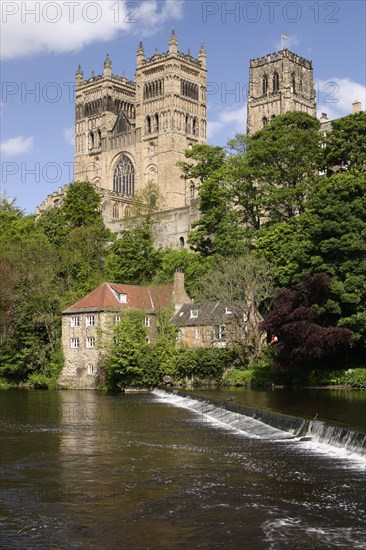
(95, 470)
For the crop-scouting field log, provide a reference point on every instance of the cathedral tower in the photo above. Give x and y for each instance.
(278, 83)
(129, 133)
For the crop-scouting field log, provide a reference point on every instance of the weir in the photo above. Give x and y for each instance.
(258, 423)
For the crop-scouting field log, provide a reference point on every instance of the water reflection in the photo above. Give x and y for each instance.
(91, 470)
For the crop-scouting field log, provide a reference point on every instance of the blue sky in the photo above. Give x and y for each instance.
(42, 44)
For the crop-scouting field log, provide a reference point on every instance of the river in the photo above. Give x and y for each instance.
(87, 469)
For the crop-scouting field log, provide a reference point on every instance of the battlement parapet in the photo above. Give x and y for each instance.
(277, 56)
(157, 57)
(101, 78)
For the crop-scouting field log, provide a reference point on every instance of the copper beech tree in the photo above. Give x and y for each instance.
(300, 327)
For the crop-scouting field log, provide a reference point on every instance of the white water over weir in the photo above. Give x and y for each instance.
(257, 423)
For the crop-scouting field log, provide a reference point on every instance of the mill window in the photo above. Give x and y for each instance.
(90, 342)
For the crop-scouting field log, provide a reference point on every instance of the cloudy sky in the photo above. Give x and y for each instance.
(43, 42)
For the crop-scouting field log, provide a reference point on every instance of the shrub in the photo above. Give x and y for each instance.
(39, 381)
(238, 377)
(356, 378)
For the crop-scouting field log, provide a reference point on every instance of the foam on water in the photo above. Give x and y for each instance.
(224, 418)
(311, 436)
(294, 532)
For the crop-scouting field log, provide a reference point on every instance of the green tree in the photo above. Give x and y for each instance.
(147, 202)
(288, 246)
(282, 159)
(81, 205)
(132, 258)
(9, 212)
(125, 364)
(245, 194)
(30, 308)
(162, 352)
(52, 222)
(346, 144)
(82, 260)
(218, 230)
(206, 159)
(194, 266)
(77, 231)
(330, 238)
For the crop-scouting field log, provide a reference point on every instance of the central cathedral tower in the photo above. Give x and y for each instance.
(130, 133)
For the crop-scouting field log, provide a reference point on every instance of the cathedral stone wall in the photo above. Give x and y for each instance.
(131, 133)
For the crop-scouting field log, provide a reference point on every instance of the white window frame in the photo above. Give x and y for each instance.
(122, 297)
(90, 368)
(147, 322)
(198, 334)
(193, 314)
(116, 319)
(220, 333)
(74, 322)
(74, 343)
(89, 320)
(228, 310)
(90, 342)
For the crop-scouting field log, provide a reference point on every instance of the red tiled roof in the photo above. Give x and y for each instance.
(138, 297)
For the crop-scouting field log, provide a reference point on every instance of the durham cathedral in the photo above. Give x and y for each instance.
(129, 134)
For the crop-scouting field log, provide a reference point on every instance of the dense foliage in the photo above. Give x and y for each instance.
(301, 327)
(45, 265)
(135, 362)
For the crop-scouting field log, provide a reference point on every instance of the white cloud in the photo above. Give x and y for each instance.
(30, 27)
(335, 96)
(16, 145)
(69, 135)
(228, 123)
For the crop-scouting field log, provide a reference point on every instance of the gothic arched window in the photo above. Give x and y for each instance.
(91, 140)
(293, 83)
(156, 123)
(187, 125)
(265, 84)
(124, 176)
(115, 212)
(153, 200)
(276, 83)
(192, 190)
(148, 125)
